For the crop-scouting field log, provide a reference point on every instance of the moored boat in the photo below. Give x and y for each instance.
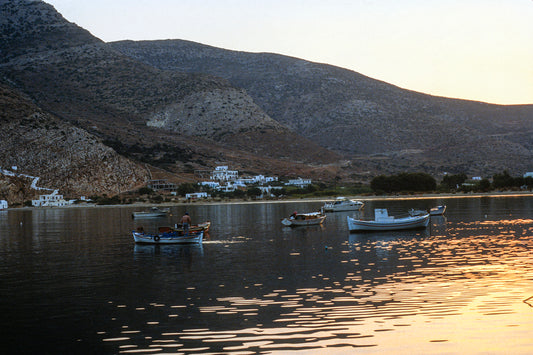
(151, 213)
(171, 237)
(304, 219)
(383, 222)
(204, 226)
(343, 204)
(437, 211)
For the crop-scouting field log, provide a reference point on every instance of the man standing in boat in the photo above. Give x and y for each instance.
(186, 222)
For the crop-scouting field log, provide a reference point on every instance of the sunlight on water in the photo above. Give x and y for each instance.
(435, 294)
(464, 285)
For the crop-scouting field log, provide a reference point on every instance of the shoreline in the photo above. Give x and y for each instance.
(293, 200)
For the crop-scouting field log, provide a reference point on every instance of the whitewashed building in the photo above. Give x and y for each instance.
(52, 200)
(299, 182)
(222, 173)
(210, 184)
(197, 195)
(3, 204)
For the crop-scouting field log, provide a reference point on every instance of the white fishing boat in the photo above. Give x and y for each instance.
(437, 211)
(204, 226)
(304, 219)
(171, 237)
(153, 212)
(342, 204)
(383, 222)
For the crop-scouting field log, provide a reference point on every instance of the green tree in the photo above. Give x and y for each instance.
(253, 192)
(187, 188)
(453, 182)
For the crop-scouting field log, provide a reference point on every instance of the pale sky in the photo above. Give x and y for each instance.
(471, 49)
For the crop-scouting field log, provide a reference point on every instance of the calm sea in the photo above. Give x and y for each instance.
(73, 281)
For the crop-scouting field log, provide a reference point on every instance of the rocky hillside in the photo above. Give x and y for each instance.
(92, 85)
(379, 126)
(65, 157)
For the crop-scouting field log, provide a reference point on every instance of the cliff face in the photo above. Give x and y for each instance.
(63, 156)
(85, 81)
(380, 126)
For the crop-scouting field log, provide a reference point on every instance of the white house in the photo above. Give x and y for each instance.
(528, 174)
(244, 181)
(196, 195)
(3, 204)
(211, 184)
(299, 182)
(52, 200)
(221, 173)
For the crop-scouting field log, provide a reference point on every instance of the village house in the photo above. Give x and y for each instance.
(3, 204)
(299, 182)
(197, 195)
(52, 200)
(221, 173)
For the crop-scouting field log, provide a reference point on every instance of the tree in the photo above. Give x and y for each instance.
(186, 188)
(254, 192)
(404, 182)
(453, 182)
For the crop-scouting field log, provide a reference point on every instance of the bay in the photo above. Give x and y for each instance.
(73, 281)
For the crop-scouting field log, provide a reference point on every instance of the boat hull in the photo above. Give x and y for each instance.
(395, 224)
(437, 211)
(303, 222)
(148, 214)
(346, 205)
(168, 238)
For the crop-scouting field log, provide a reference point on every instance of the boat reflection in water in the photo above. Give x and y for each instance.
(461, 286)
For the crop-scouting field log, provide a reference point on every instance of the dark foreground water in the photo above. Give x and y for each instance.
(72, 281)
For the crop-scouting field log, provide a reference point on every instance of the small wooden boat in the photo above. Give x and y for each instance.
(383, 222)
(437, 211)
(342, 204)
(171, 237)
(304, 219)
(414, 212)
(153, 212)
(193, 228)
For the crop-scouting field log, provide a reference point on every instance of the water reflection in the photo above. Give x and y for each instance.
(462, 286)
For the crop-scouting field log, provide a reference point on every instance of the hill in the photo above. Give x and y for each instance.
(63, 156)
(377, 125)
(173, 121)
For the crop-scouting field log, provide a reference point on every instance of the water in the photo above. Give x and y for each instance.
(72, 281)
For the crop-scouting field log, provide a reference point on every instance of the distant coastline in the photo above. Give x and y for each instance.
(292, 200)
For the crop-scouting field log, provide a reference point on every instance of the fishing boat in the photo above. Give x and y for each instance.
(153, 212)
(204, 226)
(170, 237)
(437, 211)
(304, 219)
(383, 222)
(342, 204)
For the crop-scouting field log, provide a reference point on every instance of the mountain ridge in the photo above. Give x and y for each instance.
(365, 117)
(177, 106)
(83, 81)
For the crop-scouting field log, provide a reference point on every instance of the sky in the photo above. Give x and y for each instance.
(478, 50)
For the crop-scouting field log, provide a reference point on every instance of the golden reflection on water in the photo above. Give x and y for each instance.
(438, 294)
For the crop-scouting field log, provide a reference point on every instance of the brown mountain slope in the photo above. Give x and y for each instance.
(381, 127)
(93, 86)
(62, 156)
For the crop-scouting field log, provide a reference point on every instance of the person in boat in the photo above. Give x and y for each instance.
(186, 222)
(293, 215)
